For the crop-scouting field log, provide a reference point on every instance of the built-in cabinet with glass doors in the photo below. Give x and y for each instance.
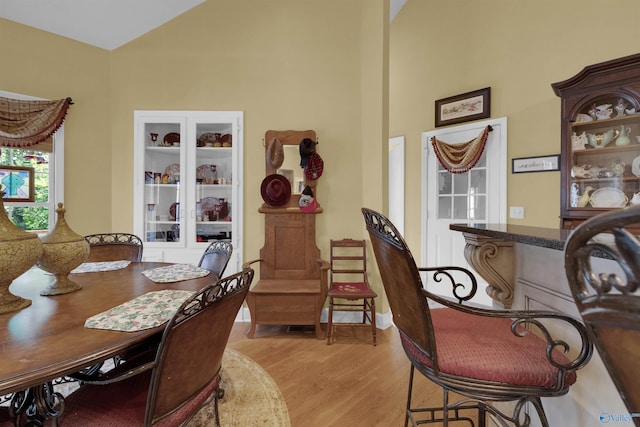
(187, 189)
(600, 139)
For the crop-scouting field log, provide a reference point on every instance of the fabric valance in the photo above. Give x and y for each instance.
(460, 158)
(25, 123)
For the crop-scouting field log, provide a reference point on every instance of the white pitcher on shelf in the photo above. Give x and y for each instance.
(578, 141)
(623, 138)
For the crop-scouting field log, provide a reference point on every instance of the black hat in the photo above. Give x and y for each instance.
(307, 147)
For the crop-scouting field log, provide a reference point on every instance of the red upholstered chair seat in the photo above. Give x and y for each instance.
(485, 348)
(123, 404)
(348, 290)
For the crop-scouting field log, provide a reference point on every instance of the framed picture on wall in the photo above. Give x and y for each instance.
(17, 183)
(536, 164)
(464, 107)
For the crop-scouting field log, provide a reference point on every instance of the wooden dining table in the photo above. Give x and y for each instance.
(48, 340)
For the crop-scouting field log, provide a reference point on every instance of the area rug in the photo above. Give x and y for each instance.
(251, 397)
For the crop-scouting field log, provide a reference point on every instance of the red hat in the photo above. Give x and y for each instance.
(275, 190)
(307, 202)
(314, 167)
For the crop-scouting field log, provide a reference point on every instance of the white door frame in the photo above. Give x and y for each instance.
(396, 182)
(498, 164)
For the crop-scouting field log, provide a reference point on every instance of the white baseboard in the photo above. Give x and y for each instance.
(383, 320)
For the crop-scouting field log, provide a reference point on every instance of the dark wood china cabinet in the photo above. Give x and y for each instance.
(600, 139)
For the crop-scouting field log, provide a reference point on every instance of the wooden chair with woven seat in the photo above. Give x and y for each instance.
(484, 355)
(114, 247)
(183, 376)
(216, 257)
(608, 295)
(349, 289)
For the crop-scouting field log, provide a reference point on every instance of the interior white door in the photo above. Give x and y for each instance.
(478, 196)
(396, 182)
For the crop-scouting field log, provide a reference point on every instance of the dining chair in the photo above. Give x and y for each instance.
(216, 257)
(607, 294)
(484, 355)
(114, 247)
(349, 289)
(104, 247)
(183, 376)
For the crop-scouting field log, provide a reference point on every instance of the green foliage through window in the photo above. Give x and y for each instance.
(29, 216)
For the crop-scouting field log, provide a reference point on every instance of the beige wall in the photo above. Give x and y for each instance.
(37, 63)
(440, 49)
(297, 64)
(288, 64)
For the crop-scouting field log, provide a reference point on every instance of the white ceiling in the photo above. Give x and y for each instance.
(107, 24)
(103, 23)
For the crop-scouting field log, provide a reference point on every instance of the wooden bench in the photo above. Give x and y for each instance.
(293, 286)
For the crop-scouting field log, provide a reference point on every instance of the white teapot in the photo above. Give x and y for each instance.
(635, 200)
(603, 111)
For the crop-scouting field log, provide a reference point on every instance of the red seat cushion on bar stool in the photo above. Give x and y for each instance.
(485, 348)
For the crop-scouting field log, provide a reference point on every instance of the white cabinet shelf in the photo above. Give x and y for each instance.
(187, 183)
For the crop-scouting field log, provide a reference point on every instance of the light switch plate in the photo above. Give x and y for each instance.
(516, 212)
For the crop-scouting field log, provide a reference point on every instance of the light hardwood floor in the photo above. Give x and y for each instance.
(350, 383)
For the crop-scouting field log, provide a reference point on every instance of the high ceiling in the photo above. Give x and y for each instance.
(107, 24)
(103, 23)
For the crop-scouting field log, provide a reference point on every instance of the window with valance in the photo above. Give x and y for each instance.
(32, 135)
(30, 124)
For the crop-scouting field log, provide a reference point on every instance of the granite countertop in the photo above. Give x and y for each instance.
(552, 238)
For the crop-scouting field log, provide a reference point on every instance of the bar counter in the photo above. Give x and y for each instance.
(551, 238)
(524, 270)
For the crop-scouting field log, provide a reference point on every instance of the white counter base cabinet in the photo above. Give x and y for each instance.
(188, 183)
(541, 284)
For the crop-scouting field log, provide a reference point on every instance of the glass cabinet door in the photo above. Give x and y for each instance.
(600, 118)
(604, 154)
(211, 174)
(187, 193)
(163, 179)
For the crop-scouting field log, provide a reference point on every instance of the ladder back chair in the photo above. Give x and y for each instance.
(183, 376)
(216, 257)
(349, 289)
(484, 355)
(608, 295)
(114, 247)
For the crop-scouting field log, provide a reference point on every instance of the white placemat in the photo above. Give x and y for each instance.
(92, 267)
(175, 273)
(146, 311)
